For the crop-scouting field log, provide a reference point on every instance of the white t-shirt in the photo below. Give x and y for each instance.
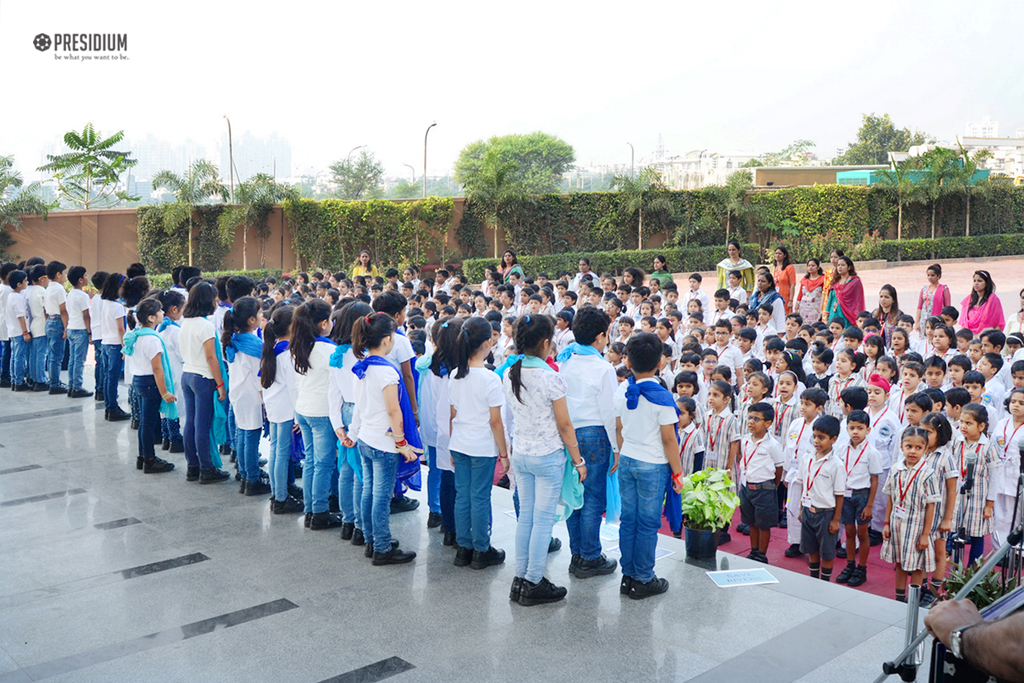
(171, 335)
(194, 333)
(16, 308)
(55, 296)
(370, 422)
(35, 295)
(77, 303)
(279, 398)
(401, 351)
(641, 427)
(535, 432)
(758, 459)
(473, 396)
(112, 311)
(244, 391)
(341, 389)
(312, 387)
(96, 317)
(146, 348)
(5, 293)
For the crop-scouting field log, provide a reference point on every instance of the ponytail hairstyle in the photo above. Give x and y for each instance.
(915, 433)
(370, 331)
(764, 379)
(278, 325)
(943, 430)
(530, 333)
(305, 329)
(132, 291)
(146, 310)
(858, 359)
(796, 366)
(112, 287)
(725, 389)
(170, 298)
(237, 317)
(345, 318)
(444, 333)
(475, 332)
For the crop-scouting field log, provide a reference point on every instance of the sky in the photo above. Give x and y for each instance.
(329, 76)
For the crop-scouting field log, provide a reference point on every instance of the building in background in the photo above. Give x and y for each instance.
(986, 128)
(271, 155)
(698, 168)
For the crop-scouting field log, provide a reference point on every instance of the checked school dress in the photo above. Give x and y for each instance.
(910, 490)
(945, 469)
(721, 430)
(691, 443)
(970, 506)
(836, 387)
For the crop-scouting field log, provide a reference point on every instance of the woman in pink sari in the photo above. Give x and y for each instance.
(846, 295)
(982, 309)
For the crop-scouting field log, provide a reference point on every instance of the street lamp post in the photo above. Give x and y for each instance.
(231, 160)
(632, 156)
(413, 170)
(352, 150)
(425, 157)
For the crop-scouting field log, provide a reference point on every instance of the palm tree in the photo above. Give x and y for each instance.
(940, 165)
(495, 192)
(88, 175)
(16, 198)
(736, 186)
(639, 195)
(963, 178)
(198, 185)
(256, 198)
(900, 186)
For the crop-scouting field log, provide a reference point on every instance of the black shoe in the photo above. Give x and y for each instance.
(20, 387)
(309, 518)
(347, 529)
(554, 545)
(5, 384)
(655, 586)
(332, 504)
(192, 474)
(517, 588)
(759, 557)
(41, 386)
(927, 598)
(599, 566)
(743, 528)
(463, 556)
(165, 445)
(847, 573)
(874, 537)
(287, 506)
(793, 551)
(213, 476)
(117, 415)
(540, 593)
(234, 455)
(224, 449)
(449, 538)
(723, 537)
(626, 585)
(98, 395)
(156, 465)
(488, 558)
(394, 556)
(783, 523)
(859, 576)
(296, 492)
(369, 552)
(58, 389)
(433, 520)
(257, 488)
(176, 447)
(139, 462)
(241, 485)
(677, 534)
(403, 504)
(357, 537)
(325, 520)
(135, 424)
(79, 393)
(841, 553)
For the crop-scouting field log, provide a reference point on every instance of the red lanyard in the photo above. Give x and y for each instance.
(809, 482)
(880, 416)
(782, 417)
(963, 460)
(846, 385)
(861, 455)
(686, 441)
(904, 490)
(1006, 448)
(747, 458)
(714, 439)
(798, 437)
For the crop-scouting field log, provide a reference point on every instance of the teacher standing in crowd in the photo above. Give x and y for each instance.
(846, 294)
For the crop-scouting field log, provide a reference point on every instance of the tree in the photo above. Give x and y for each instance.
(89, 174)
(962, 178)
(641, 195)
(798, 152)
(198, 185)
(495, 191)
(16, 199)
(359, 178)
(876, 138)
(255, 199)
(939, 165)
(736, 186)
(538, 160)
(900, 184)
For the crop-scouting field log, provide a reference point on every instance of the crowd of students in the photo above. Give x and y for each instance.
(584, 393)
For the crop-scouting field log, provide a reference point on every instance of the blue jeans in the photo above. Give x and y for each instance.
(539, 484)
(37, 360)
(473, 479)
(379, 473)
(79, 349)
(5, 360)
(247, 443)
(19, 359)
(198, 395)
(280, 461)
(319, 442)
(55, 349)
(99, 373)
(642, 486)
(446, 496)
(149, 413)
(231, 427)
(350, 483)
(585, 524)
(112, 368)
(433, 481)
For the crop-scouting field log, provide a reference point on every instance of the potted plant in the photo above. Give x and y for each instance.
(709, 502)
(985, 593)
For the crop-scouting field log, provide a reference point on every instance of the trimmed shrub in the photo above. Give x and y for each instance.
(163, 280)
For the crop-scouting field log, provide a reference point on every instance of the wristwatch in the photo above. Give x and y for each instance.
(956, 643)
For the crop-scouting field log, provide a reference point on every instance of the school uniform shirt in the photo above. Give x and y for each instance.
(218, 317)
(766, 331)
(897, 402)
(884, 435)
(785, 413)
(180, 290)
(96, 317)
(534, 430)
(641, 427)
(312, 386)
(279, 398)
(945, 468)
(717, 315)
(341, 388)
(401, 351)
(5, 293)
(171, 335)
(1007, 439)
(590, 388)
(698, 295)
(822, 479)
(860, 464)
(111, 313)
(244, 391)
(837, 386)
(194, 333)
(798, 444)
(147, 347)
(738, 293)
(691, 444)
(35, 295)
(992, 399)
(970, 506)
(76, 304)
(473, 396)
(758, 459)
(721, 430)
(55, 296)
(744, 414)
(370, 422)
(729, 356)
(562, 338)
(910, 491)
(1005, 376)
(15, 309)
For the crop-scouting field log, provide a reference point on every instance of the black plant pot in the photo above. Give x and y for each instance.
(701, 544)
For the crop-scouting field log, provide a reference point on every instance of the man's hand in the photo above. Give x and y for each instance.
(833, 527)
(950, 615)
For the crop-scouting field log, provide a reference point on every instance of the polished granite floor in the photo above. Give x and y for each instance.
(107, 574)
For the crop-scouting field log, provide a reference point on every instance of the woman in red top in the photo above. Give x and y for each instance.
(785, 278)
(933, 297)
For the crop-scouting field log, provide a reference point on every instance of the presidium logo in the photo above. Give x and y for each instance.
(84, 46)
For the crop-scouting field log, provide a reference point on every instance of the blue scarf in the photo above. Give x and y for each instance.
(338, 357)
(757, 300)
(245, 342)
(168, 410)
(167, 323)
(326, 340)
(412, 434)
(580, 349)
(279, 347)
(527, 361)
(659, 395)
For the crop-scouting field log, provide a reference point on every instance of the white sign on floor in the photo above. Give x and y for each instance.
(742, 577)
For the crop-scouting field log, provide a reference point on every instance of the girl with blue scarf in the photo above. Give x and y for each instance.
(277, 377)
(384, 429)
(152, 382)
(242, 351)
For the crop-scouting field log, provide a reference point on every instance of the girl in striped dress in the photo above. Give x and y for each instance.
(691, 440)
(940, 457)
(721, 428)
(912, 491)
(978, 462)
(848, 365)
(758, 386)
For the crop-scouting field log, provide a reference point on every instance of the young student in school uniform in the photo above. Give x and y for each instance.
(787, 406)
(243, 351)
(978, 461)
(77, 309)
(277, 379)
(55, 305)
(113, 315)
(862, 466)
(848, 364)
(16, 317)
(170, 331)
(989, 366)
(823, 484)
(757, 388)
(798, 443)
(691, 449)
(648, 461)
(884, 438)
(760, 471)
(974, 383)
(910, 382)
(940, 458)
(96, 335)
(35, 296)
(1007, 436)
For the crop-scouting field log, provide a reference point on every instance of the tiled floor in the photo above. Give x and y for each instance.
(107, 574)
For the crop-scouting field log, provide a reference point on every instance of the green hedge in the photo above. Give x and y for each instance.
(944, 248)
(680, 259)
(160, 250)
(163, 280)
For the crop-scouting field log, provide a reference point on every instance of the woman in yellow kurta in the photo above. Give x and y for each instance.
(364, 267)
(735, 262)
